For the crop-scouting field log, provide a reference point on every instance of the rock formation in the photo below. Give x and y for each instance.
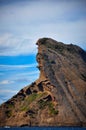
(58, 97)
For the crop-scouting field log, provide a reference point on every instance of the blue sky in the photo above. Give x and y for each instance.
(22, 23)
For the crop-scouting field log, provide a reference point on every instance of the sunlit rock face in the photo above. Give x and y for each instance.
(58, 97)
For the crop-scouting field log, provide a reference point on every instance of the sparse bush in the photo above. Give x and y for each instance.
(43, 104)
(10, 105)
(30, 99)
(52, 109)
(8, 113)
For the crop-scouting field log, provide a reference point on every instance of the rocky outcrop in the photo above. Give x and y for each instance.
(58, 97)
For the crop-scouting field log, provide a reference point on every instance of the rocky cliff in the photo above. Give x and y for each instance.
(58, 97)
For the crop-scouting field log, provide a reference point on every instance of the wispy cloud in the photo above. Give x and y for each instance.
(6, 94)
(8, 91)
(18, 66)
(13, 45)
(35, 72)
(18, 74)
(23, 22)
(6, 82)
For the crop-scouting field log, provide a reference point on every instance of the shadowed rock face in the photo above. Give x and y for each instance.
(58, 97)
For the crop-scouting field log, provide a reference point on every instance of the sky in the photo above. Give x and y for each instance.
(22, 23)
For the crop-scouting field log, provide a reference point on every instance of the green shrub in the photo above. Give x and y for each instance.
(43, 104)
(24, 108)
(52, 109)
(34, 96)
(8, 113)
(30, 99)
(10, 105)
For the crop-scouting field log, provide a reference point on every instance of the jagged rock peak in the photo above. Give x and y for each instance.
(51, 43)
(62, 48)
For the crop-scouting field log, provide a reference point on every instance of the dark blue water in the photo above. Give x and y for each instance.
(45, 128)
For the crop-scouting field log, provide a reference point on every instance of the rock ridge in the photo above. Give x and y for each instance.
(59, 94)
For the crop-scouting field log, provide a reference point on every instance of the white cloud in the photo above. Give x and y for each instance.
(12, 67)
(13, 45)
(6, 82)
(27, 21)
(1, 100)
(27, 76)
(6, 94)
(8, 91)
(35, 72)
(28, 12)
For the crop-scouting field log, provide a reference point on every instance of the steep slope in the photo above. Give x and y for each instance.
(58, 97)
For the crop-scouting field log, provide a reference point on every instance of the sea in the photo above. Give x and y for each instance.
(43, 128)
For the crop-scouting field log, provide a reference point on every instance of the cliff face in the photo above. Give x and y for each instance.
(58, 97)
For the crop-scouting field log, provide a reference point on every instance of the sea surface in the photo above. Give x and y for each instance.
(44, 128)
